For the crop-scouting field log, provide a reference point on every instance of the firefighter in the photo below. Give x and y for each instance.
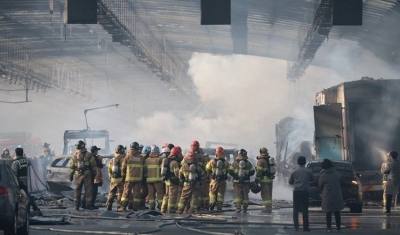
(6, 154)
(154, 181)
(170, 174)
(264, 176)
(165, 152)
(241, 170)
(144, 191)
(115, 175)
(180, 160)
(205, 183)
(384, 179)
(217, 169)
(47, 157)
(82, 166)
(191, 175)
(98, 176)
(134, 169)
(20, 168)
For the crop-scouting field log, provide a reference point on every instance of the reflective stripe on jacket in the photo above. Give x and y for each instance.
(262, 170)
(134, 167)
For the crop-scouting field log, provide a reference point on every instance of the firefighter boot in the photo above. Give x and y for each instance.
(212, 206)
(109, 207)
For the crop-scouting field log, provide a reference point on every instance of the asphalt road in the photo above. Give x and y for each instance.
(371, 221)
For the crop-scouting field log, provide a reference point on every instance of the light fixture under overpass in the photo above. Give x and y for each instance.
(215, 12)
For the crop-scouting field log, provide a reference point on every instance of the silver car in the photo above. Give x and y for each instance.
(14, 203)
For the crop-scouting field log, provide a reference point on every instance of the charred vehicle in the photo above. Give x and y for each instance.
(350, 185)
(58, 172)
(358, 122)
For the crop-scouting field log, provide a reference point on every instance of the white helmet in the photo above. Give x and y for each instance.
(20, 146)
(166, 150)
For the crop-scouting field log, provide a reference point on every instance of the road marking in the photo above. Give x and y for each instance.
(125, 226)
(281, 230)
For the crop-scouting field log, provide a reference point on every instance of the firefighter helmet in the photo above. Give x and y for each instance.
(135, 146)
(263, 151)
(170, 146)
(166, 150)
(242, 152)
(165, 145)
(155, 149)
(174, 151)
(80, 144)
(120, 149)
(146, 150)
(6, 149)
(219, 151)
(195, 144)
(179, 149)
(191, 155)
(255, 188)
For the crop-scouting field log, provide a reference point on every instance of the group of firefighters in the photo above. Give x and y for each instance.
(170, 181)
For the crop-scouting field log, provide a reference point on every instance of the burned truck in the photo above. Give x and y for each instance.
(359, 122)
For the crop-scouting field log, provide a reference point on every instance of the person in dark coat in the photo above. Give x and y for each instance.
(331, 198)
(393, 179)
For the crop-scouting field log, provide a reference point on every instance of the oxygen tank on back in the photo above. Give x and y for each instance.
(242, 173)
(80, 161)
(164, 168)
(192, 173)
(218, 172)
(272, 166)
(115, 168)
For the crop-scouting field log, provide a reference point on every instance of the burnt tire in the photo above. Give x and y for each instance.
(356, 208)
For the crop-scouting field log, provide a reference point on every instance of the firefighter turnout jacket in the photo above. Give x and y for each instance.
(134, 167)
(82, 163)
(115, 168)
(241, 170)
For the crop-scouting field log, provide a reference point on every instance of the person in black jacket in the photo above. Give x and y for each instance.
(97, 179)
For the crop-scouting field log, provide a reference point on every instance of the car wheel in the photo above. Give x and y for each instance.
(12, 229)
(356, 208)
(24, 230)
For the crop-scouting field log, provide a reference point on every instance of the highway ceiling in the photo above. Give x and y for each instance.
(268, 28)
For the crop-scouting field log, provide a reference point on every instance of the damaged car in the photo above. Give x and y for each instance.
(349, 183)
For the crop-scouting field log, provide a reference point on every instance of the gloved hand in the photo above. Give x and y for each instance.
(71, 177)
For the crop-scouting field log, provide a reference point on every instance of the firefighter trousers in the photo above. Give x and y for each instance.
(158, 189)
(266, 195)
(115, 187)
(217, 192)
(144, 192)
(384, 183)
(204, 198)
(128, 187)
(170, 198)
(241, 195)
(80, 181)
(189, 192)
